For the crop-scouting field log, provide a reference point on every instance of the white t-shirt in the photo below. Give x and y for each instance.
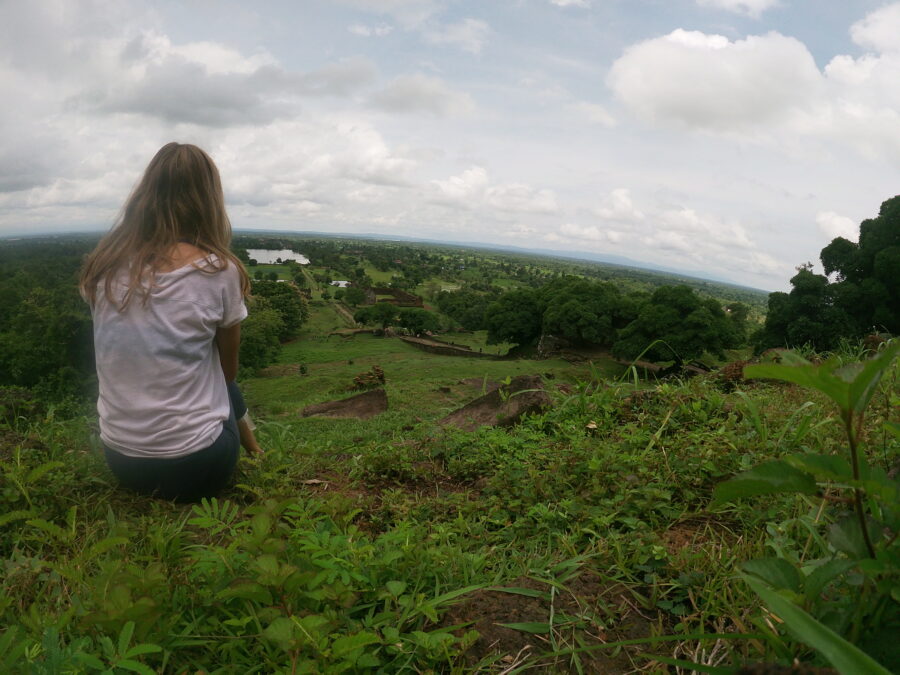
(162, 390)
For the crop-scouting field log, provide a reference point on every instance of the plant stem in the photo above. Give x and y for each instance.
(857, 493)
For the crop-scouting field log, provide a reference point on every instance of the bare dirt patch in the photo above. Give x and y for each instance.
(588, 612)
(504, 406)
(362, 406)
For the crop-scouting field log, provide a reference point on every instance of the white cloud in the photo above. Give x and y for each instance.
(752, 8)
(590, 233)
(471, 189)
(422, 93)
(469, 35)
(520, 198)
(570, 3)
(464, 188)
(879, 30)
(594, 113)
(378, 30)
(619, 207)
(706, 81)
(410, 13)
(834, 225)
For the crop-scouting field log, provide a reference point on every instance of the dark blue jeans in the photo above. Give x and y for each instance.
(190, 478)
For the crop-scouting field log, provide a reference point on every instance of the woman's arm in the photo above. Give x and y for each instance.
(228, 340)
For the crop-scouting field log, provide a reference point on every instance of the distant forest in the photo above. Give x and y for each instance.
(45, 327)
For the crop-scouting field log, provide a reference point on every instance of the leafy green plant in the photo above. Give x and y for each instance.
(860, 563)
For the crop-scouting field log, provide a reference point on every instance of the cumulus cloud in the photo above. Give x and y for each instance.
(594, 113)
(878, 31)
(464, 188)
(469, 35)
(707, 81)
(410, 13)
(520, 198)
(749, 7)
(590, 233)
(570, 3)
(422, 93)
(212, 85)
(472, 189)
(768, 88)
(834, 225)
(619, 207)
(378, 30)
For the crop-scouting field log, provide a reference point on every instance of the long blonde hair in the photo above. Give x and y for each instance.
(178, 199)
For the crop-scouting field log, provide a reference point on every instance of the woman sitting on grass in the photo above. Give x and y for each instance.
(167, 299)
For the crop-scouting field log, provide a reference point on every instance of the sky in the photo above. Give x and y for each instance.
(726, 138)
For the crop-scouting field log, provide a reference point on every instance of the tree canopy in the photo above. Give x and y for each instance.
(858, 294)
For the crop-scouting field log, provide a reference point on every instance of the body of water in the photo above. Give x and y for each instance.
(266, 256)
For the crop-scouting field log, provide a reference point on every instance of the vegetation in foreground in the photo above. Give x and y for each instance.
(582, 540)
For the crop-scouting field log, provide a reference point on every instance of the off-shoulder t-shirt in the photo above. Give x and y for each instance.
(162, 390)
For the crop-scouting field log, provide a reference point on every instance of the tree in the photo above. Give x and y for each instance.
(260, 333)
(584, 311)
(864, 295)
(290, 304)
(515, 317)
(272, 276)
(381, 313)
(417, 321)
(354, 296)
(688, 324)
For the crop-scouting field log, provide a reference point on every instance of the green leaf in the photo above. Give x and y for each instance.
(246, 589)
(90, 660)
(17, 515)
(823, 467)
(536, 627)
(822, 575)
(765, 479)
(103, 546)
(863, 385)
(844, 656)
(528, 592)
(893, 427)
(135, 667)
(845, 536)
(776, 572)
(39, 471)
(138, 650)
(396, 588)
(348, 643)
(125, 636)
(281, 632)
(798, 370)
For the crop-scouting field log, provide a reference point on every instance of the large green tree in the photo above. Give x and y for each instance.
(687, 323)
(862, 295)
(515, 317)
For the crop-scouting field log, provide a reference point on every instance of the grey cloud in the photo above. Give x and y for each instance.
(421, 93)
(178, 90)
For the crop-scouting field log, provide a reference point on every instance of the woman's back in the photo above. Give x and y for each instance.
(162, 393)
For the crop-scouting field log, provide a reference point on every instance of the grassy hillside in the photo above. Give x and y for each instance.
(395, 545)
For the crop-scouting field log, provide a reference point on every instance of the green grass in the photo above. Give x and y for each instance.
(357, 545)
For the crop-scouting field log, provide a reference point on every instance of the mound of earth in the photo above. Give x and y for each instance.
(362, 406)
(503, 406)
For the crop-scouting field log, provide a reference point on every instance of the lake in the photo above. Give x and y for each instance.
(266, 256)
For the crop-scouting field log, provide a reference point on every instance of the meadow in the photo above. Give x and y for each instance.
(581, 540)
(711, 524)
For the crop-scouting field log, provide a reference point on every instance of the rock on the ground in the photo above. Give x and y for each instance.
(502, 407)
(362, 406)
